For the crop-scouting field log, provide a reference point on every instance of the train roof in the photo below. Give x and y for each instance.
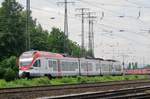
(43, 54)
(57, 55)
(94, 58)
(111, 60)
(50, 54)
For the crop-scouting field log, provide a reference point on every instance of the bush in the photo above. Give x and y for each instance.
(9, 75)
(9, 62)
(8, 66)
(41, 81)
(2, 72)
(81, 79)
(3, 83)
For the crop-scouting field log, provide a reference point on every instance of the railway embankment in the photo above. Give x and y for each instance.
(67, 80)
(47, 91)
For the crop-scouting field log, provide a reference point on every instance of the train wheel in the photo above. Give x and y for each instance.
(26, 75)
(48, 76)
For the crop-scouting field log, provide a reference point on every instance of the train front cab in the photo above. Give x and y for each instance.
(31, 70)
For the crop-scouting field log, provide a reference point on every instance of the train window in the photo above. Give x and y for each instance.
(50, 63)
(53, 64)
(90, 65)
(105, 67)
(84, 66)
(74, 66)
(64, 65)
(97, 66)
(69, 66)
(118, 67)
(37, 63)
(25, 63)
(110, 66)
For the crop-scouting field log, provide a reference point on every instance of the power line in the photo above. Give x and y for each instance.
(113, 12)
(27, 24)
(120, 36)
(65, 15)
(137, 4)
(97, 25)
(102, 17)
(116, 5)
(122, 30)
(82, 14)
(91, 18)
(65, 22)
(45, 10)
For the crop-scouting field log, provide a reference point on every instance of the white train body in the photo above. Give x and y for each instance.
(38, 63)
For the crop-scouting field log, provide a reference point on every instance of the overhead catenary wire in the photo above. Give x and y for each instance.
(111, 11)
(48, 12)
(69, 16)
(82, 14)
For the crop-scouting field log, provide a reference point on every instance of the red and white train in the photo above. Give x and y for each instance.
(40, 63)
(140, 71)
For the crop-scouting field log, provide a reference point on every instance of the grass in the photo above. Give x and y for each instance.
(67, 80)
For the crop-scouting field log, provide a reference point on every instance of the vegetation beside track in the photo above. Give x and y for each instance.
(67, 80)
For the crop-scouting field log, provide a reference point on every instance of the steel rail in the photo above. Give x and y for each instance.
(40, 91)
(136, 92)
(70, 86)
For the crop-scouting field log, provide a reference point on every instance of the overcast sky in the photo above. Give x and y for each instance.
(123, 31)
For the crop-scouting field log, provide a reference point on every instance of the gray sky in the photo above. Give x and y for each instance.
(133, 43)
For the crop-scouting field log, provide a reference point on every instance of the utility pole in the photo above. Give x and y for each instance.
(65, 21)
(27, 24)
(82, 14)
(91, 18)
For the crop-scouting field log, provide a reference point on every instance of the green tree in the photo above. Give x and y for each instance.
(56, 41)
(12, 29)
(129, 66)
(132, 64)
(89, 54)
(136, 65)
(10, 74)
(74, 49)
(147, 66)
(39, 38)
(8, 64)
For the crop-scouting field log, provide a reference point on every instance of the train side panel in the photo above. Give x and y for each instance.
(105, 68)
(69, 67)
(117, 68)
(89, 67)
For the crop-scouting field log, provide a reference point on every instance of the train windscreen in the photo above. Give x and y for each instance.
(26, 59)
(25, 63)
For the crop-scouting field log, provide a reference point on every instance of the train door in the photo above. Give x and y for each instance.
(107, 68)
(112, 68)
(53, 67)
(36, 68)
(96, 67)
(83, 67)
(44, 69)
(100, 67)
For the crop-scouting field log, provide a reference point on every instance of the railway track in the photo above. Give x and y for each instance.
(127, 93)
(41, 91)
